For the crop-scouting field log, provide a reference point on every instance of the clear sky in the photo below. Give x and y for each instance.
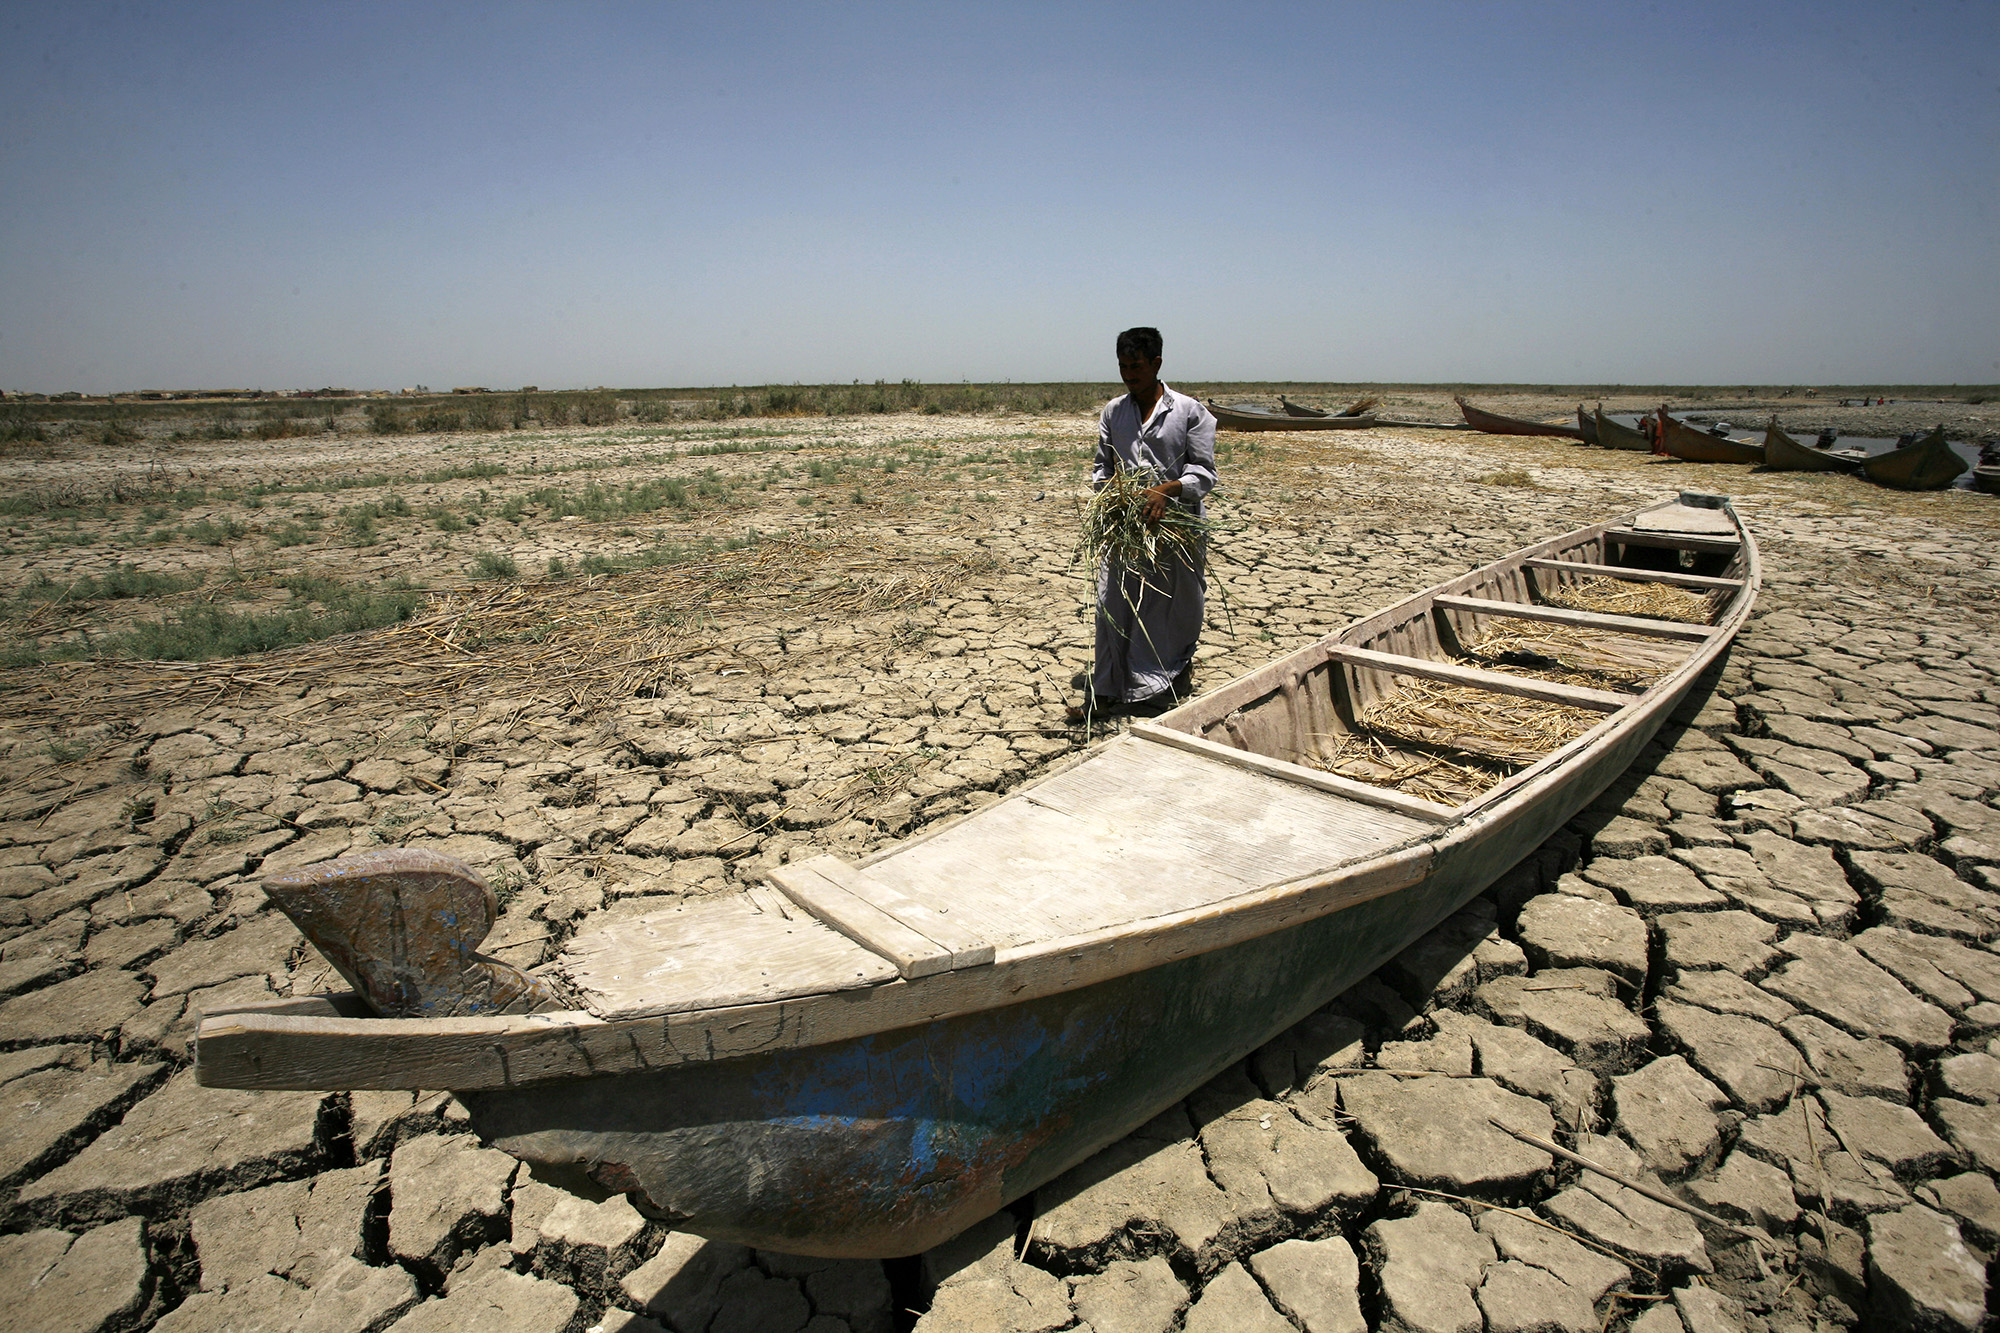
(377, 195)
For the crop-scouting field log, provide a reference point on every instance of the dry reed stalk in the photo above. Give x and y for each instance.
(1113, 528)
(1573, 655)
(1627, 597)
(586, 640)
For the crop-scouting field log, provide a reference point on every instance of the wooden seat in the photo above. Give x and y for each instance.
(1558, 615)
(1671, 576)
(1499, 682)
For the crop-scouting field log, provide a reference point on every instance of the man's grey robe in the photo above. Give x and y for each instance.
(1149, 619)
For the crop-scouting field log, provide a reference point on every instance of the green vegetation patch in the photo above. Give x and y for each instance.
(320, 608)
(120, 581)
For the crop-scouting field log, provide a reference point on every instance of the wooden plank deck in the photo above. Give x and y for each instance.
(1137, 831)
(712, 952)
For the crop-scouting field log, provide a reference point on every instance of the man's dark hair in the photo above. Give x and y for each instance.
(1139, 345)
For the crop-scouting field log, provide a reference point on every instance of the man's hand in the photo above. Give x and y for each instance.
(1156, 499)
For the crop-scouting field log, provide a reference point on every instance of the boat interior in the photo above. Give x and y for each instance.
(1365, 741)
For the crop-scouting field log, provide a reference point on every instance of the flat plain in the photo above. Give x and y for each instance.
(659, 658)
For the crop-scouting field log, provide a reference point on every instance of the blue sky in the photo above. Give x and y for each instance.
(378, 195)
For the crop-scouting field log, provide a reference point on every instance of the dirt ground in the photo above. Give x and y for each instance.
(662, 659)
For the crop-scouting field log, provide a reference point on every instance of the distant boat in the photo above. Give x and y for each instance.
(1928, 465)
(1495, 424)
(1697, 446)
(1244, 417)
(1358, 407)
(1585, 425)
(1986, 476)
(1616, 435)
(1786, 454)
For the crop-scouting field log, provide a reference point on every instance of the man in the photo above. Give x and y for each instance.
(1148, 620)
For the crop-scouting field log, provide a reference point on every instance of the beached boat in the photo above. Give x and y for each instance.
(1616, 435)
(1293, 409)
(1243, 417)
(1586, 427)
(868, 1057)
(1494, 424)
(1930, 464)
(1698, 446)
(1986, 474)
(1786, 454)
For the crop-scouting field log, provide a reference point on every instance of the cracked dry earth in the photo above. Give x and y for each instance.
(1759, 974)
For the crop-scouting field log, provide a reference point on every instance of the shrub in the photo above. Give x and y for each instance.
(210, 533)
(494, 565)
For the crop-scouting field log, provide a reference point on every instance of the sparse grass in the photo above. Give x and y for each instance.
(1512, 476)
(494, 565)
(320, 608)
(120, 581)
(210, 532)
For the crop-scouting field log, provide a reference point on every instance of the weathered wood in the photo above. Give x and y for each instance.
(709, 953)
(1561, 615)
(269, 1048)
(1672, 541)
(1097, 846)
(1498, 682)
(913, 953)
(1385, 797)
(931, 920)
(1674, 577)
(403, 927)
(1681, 516)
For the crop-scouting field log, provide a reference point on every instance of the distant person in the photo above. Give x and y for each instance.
(1149, 620)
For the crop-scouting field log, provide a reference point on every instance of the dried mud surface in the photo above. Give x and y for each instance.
(1759, 974)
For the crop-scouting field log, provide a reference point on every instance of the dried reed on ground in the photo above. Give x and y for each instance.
(584, 641)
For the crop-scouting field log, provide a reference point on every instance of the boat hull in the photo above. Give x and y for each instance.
(1586, 426)
(888, 1144)
(1786, 454)
(1492, 423)
(1928, 465)
(1228, 419)
(1697, 446)
(1616, 435)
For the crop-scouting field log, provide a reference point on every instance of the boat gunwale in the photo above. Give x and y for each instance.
(516, 1050)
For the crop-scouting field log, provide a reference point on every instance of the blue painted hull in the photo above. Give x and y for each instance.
(888, 1144)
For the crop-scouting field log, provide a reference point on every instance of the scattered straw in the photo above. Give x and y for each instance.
(1627, 597)
(585, 641)
(1450, 743)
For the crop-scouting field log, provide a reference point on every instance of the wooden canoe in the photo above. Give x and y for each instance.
(1931, 464)
(1586, 427)
(1698, 446)
(1494, 424)
(1247, 418)
(1786, 454)
(1616, 435)
(869, 1057)
(1293, 409)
